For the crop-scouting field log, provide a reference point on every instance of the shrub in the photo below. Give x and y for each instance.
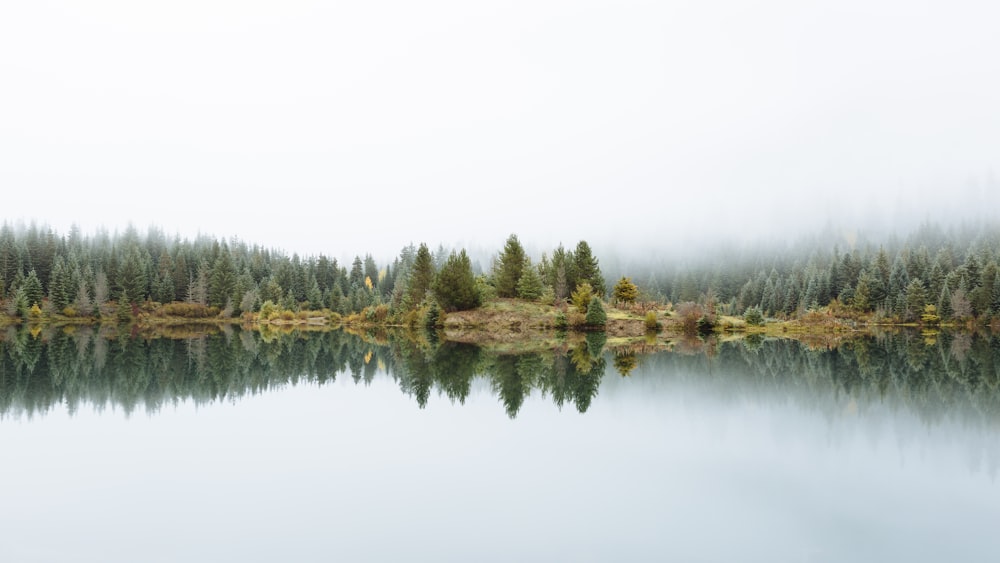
(268, 310)
(753, 316)
(689, 313)
(70, 311)
(188, 310)
(287, 315)
(562, 323)
(652, 323)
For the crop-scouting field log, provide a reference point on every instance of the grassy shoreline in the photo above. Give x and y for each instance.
(502, 323)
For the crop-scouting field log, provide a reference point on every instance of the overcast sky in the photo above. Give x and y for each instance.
(344, 127)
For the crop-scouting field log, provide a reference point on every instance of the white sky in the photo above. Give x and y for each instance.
(349, 127)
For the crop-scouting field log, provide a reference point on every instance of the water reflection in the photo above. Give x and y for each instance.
(954, 376)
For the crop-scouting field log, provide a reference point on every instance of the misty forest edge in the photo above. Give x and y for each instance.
(930, 278)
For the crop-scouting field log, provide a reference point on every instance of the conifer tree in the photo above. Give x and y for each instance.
(222, 283)
(530, 285)
(595, 313)
(421, 276)
(455, 286)
(625, 291)
(33, 289)
(587, 269)
(509, 268)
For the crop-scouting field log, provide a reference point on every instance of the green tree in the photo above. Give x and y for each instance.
(509, 268)
(222, 282)
(131, 277)
(124, 311)
(587, 268)
(421, 276)
(595, 313)
(530, 285)
(916, 299)
(455, 286)
(33, 289)
(944, 303)
(625, 291)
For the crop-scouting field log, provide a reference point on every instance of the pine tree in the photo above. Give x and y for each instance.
(915, 300)
(33, 289)
(510, 266)
(131, 276)
(124, 311)
(587, 268)
(421, 276)
(455, 286)
(530, 285)
(222, 282)
(625, 291)
(595, 313)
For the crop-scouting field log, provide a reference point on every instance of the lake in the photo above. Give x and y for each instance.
(242, 446)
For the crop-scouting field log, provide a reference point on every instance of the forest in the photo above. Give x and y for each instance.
(930, 273)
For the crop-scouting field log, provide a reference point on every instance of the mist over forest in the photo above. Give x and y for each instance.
(893, 275)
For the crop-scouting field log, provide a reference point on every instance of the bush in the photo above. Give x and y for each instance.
(70, 311)
(652, 323)
(268, 310)
(595, 313)
(689, 313)
(562, 323)
(188, 310)
(753, 316)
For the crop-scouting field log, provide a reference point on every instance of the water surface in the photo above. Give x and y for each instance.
(237, 447)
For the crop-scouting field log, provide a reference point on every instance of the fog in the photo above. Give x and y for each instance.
(350, 128)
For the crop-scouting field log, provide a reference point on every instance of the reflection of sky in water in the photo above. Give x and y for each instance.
(662, 466)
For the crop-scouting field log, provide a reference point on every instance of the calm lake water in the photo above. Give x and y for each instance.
(235, 447)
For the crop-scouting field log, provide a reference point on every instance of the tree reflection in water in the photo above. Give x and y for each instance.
(947, 375)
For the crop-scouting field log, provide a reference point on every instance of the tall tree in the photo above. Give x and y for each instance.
(587, 268)
(222, 282)
(421, 276)
(510, 266)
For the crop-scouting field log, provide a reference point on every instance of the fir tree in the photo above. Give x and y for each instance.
(510, 266)
(587, 268)
(530, 285)
(595, 313)
(455, 286)
(625, 291)
(33, 289)
(421, 276)
(222, 283)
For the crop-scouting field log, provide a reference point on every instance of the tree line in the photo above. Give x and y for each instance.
(955, 272)
(42, 271)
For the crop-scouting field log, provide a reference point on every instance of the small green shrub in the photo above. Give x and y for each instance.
(753, 316)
